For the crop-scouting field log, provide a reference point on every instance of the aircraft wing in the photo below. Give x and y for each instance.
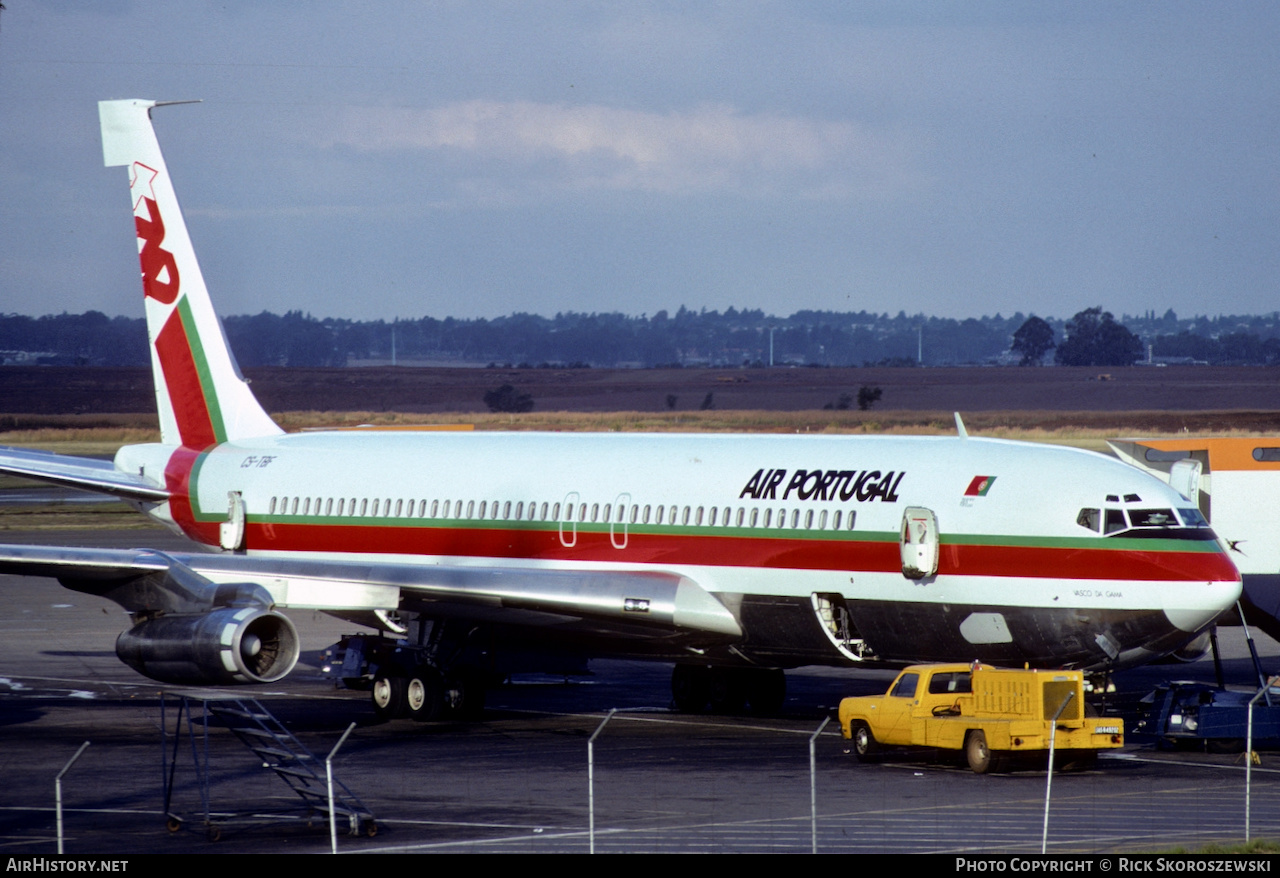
(78, 472)
(639, 604)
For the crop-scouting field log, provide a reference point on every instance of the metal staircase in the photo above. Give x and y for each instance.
(276, 749)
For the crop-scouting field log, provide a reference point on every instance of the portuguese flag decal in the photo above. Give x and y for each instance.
(979, 486)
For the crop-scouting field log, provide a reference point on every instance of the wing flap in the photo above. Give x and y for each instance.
(632, 603)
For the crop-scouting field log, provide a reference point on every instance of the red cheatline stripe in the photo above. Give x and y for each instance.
(721, 551)
(182, 379)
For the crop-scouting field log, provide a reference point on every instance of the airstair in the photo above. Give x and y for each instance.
(276, 750)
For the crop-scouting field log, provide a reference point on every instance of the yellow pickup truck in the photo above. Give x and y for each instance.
(990, 713)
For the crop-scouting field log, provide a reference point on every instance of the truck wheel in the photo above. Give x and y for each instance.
(865, 745)
(979, 755)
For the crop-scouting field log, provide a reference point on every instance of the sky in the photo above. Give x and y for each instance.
(381, 160)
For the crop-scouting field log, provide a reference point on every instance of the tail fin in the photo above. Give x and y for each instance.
(201, 395)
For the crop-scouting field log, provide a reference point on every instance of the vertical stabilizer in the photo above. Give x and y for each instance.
(200, 393)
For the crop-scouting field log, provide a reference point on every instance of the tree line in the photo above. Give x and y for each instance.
(686, 338)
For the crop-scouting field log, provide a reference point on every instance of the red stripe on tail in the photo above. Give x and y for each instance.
(183, 381)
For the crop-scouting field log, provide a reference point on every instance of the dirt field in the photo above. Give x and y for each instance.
(64, 390)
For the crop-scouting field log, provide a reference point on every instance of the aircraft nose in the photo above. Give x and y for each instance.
(1193, 609)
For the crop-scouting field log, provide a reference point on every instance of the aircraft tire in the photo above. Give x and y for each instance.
(424, 695)
(471, 693)
(690, 688)
(766, 691)
(728, 690)
(388, 696)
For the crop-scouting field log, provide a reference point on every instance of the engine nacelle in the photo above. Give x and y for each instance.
(220, 647)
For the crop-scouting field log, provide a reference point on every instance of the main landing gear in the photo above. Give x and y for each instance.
(426, 695)
(695, 688)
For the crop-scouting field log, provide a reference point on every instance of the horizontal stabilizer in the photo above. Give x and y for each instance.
(79, 472)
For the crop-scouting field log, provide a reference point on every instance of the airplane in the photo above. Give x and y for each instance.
(734, 556)
(1234, 481)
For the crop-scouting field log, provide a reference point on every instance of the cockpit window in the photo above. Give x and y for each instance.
(1115, 521)
(1089, 519)
(1152, 518)
(1192, 518)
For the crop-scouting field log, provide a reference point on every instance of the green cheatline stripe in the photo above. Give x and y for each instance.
(1087, 543)
(553, 527)
(207, 388)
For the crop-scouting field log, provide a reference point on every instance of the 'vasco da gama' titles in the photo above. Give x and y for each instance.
(817, 484)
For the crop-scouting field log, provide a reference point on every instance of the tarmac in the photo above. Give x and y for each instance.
(517, 780)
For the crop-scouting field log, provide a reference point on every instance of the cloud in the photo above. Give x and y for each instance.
(707, 148)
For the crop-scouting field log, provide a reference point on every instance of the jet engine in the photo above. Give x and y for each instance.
(224, 646)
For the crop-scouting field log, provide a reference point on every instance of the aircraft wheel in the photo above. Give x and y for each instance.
(690, 688)
(865, 746)
(979, 755)
(468, 696)
(728, 691)
(424, 695)
(766, 691)
(388, 696)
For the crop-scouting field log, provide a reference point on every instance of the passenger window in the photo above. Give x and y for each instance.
(712, 521)
(853, 517)
(519, 510)
(906, 686)
(506, 510)
(698, 520)
(835, 521)
(659, 512)
(808, 520)
(755, 516)
(768, 518)
(399, 507)
(741, 512)
(272, 509)
(646, 515)
(795, 518)
(484, 507)
(635, 514)
(328, 506)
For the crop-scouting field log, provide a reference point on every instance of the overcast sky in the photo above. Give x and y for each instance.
(380, 160)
